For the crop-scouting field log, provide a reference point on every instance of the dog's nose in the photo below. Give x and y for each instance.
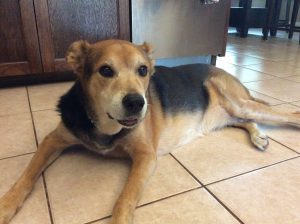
(133, 103)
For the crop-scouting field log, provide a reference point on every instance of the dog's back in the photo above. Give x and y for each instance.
(182, 100)
(181, 89)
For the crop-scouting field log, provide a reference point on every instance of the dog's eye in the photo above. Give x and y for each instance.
(143, 70)
(106, 71)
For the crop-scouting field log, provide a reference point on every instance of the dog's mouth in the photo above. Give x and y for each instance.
(129, 122)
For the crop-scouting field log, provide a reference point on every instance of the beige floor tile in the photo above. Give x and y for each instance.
(13, 101)
(296, 103)
(223, 64)
(288, 136)
(84, 187)
(273, 49)
(294, 78)
(247, 75)
(227, 153)
(240, 59)
(45, 121)
(269, 195)
(268, 53)
(267, 99)
(280, 89)
(295, 60)
(34, 210)
(43, 97)
(243, 74)
(280, 69)
(195, 207)
(16, 135)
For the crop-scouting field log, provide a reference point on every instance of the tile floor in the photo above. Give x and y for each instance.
(218, 179)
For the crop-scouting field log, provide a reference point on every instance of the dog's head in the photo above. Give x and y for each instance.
(115, 75)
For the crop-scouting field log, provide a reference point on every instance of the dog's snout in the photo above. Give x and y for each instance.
(133, 103)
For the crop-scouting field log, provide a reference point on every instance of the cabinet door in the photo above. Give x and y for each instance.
(19, 48)
(60, 22)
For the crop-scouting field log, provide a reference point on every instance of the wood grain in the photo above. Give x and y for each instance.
(45, 34)
(11, 38)
(61, 65)
(19, 46)
(60, 22)
(30, 36)
(73, 20)
(124, 20)
(14, 68)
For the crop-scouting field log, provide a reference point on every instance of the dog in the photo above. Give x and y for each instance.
(122, 105)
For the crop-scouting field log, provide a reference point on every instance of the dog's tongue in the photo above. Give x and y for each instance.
(128, 122)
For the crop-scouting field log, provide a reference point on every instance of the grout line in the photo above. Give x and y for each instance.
(43, 177)
(259, 57)
(10, 157)
(151, 202)
(297, 101)
(31, 114)
(262, 61)
(48, 109)
(260, 168)
(283, 145)
(281, 102)
(259, 80)
(244, 67)
(47, 197)
(170, 196)
(14, 114)
(248, 55)
(204, 186)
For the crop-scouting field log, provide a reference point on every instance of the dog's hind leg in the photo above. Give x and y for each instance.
(238, 102)
(257, 137)
(47, 152)
(250, 110)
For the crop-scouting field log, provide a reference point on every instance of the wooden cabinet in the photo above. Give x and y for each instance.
(19, 47)
(35, 34)
(60, 22)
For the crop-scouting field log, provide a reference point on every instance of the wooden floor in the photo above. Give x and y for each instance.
(220, 178)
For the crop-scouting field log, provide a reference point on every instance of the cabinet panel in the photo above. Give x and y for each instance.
(72, 20)
(12, 41)
(18, 38)
(60, 22)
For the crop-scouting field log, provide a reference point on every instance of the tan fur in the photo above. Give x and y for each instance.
(230, 103)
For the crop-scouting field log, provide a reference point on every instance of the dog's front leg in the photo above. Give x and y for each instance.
(144, 163)
(47, 152)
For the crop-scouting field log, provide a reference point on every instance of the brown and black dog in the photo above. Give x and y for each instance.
(123, 105)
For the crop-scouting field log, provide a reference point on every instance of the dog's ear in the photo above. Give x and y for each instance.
(147, 48)
(76, 55)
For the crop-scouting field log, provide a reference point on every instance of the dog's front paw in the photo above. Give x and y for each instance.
(260, 140)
